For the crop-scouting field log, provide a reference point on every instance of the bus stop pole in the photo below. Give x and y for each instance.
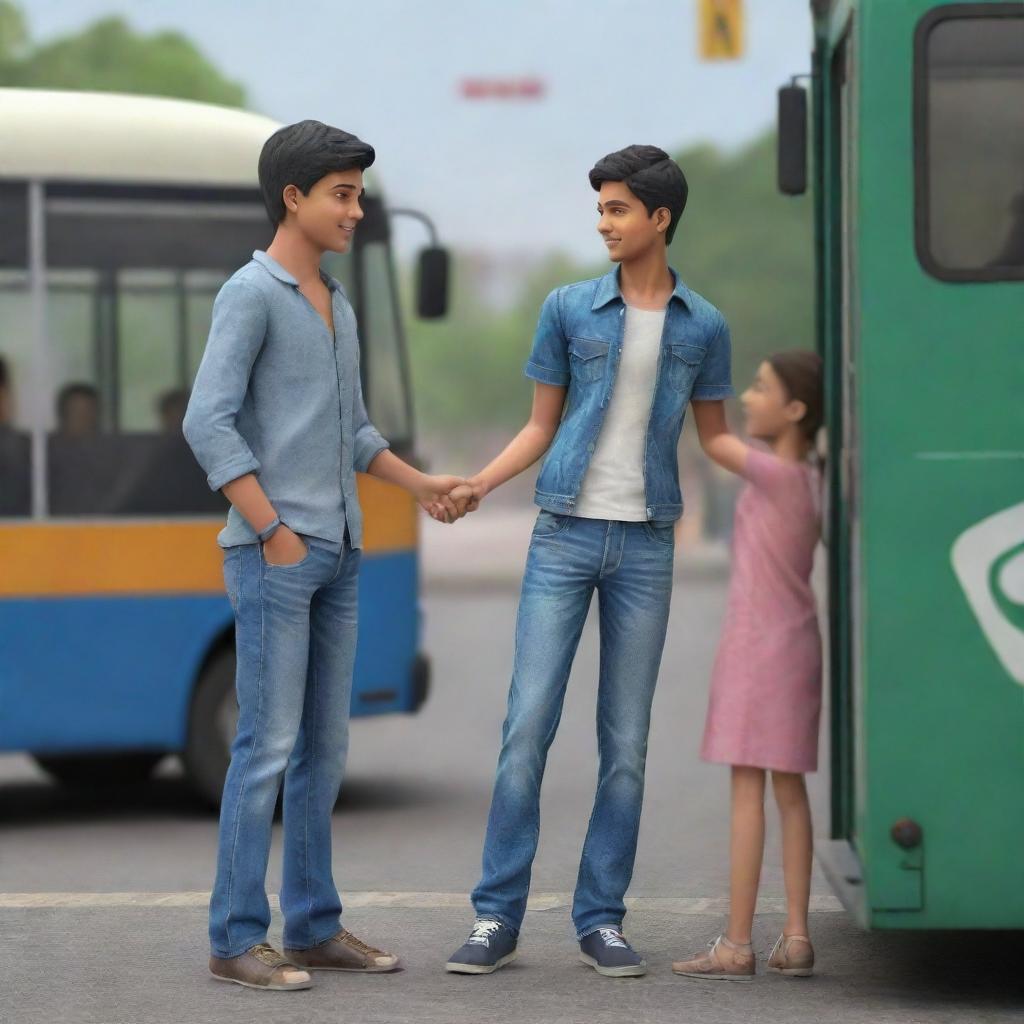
(40, 361)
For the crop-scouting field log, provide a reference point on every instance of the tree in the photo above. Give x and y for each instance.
(109, 56)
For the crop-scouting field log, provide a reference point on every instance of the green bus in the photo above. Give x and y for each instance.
(917, 172)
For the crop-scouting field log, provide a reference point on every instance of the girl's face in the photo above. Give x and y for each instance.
(768, 410)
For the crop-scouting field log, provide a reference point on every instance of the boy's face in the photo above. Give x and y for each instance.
(626, 227)
(329, 214)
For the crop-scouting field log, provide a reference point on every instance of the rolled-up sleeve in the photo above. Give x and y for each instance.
(549, 359)
(715, 378)
(237, 333)
(368, 442)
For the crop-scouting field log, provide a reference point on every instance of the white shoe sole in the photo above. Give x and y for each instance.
(454, 967)
(297, 987)
(631, 971)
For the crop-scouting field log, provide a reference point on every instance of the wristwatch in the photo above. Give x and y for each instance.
(269, 530)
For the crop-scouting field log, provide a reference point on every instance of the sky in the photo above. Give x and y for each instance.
(506, 178)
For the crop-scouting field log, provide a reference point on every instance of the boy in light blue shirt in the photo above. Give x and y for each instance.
(277, 421)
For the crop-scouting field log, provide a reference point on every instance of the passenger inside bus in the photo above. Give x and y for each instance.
(78, 410)
(160, 475)
(15, 453)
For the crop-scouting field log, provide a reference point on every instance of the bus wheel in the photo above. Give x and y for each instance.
(84, 771)
(212, 722)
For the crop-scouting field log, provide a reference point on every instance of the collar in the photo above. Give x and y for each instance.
(275, 268)
(608, 290)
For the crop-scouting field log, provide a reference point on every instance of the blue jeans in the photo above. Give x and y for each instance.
(630, 567)
(295, 638)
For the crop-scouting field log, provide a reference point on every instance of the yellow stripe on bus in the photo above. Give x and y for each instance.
(92, 556)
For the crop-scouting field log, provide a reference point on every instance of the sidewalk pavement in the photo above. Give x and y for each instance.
(141, 959)
(488, 550)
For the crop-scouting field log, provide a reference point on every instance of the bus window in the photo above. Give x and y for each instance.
(970, 143)
(15, 349)
(383, 354)
(131, 285)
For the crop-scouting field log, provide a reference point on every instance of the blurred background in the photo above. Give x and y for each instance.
(489, 125)
(129, 134)
(124, 209)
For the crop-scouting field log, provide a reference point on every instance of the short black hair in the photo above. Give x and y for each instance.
(76, 389)
(5, 373)
(651, 175)
(167, 401)
(300, 155)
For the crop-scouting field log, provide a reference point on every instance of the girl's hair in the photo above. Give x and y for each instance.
(801, 374)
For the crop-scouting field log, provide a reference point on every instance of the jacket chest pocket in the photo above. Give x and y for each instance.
(588, 359)
(683, 365)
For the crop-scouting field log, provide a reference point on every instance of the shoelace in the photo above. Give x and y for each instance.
(359, 946)
(482, 932)
(613, 938)
(265, 952)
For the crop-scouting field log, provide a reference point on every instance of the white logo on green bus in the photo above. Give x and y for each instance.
(989, 561)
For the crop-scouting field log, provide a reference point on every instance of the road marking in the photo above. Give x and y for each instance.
(683, 905)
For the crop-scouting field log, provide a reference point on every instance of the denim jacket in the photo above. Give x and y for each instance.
(578, 345)
(277, 396)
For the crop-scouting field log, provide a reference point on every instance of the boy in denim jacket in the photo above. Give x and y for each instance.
(616, 361)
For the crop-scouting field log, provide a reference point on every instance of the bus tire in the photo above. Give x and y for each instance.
(211, 725)
(90, 771)
(420, 681)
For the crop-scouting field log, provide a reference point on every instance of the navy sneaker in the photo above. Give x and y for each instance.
(608, 952)
(490, 945)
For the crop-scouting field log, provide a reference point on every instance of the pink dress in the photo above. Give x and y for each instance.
(766, 684)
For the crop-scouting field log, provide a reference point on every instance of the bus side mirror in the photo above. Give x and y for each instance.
(792, 140)
(432, 286)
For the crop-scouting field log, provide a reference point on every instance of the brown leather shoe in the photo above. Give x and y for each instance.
(260, 967)
(344, 952)
(722, 962)
(792, 955)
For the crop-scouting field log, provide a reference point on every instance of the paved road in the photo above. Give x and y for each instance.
(408, 833)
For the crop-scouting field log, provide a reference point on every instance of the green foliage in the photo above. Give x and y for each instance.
(741, 244)
(109, 56)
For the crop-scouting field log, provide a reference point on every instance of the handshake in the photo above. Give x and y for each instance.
(448, 498)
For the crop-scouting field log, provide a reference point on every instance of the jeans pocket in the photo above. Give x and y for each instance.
(550, 524)
(661, 533)
(684, 365)
(288, 565)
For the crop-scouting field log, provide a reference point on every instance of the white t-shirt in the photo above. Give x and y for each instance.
(614, 485)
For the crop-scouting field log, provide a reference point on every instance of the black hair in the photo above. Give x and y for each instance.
(303, 153)
(5, 373)
(800, 371)
(651, 175)
(168, 400)
(76, 389)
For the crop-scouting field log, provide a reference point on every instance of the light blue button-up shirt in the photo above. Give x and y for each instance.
(278, 396)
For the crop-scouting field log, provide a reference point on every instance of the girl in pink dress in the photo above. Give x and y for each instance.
(765, 699)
